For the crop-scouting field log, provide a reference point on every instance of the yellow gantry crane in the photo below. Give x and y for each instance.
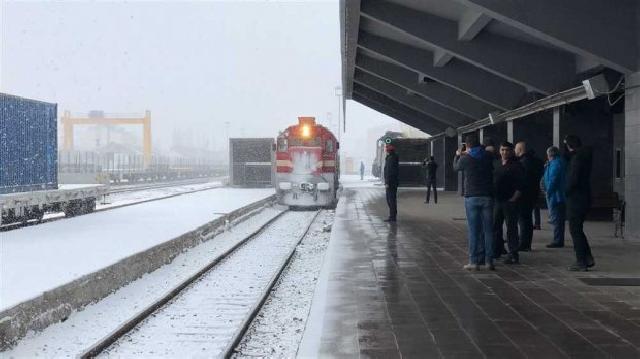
(69, 122)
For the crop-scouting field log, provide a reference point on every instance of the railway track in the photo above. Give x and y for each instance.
(142, 187)
(208, 313)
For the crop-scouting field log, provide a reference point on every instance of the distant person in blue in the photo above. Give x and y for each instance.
(361, 170)
(554, 185)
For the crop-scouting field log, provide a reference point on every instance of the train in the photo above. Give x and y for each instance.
(412, 153)
(29, 165)
(307, 165)
(377, 167)
(252, 162)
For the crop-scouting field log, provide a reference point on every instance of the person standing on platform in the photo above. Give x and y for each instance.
(391, 172)
(361, 170)
(533, 169)
(431, 168)
(509, 184)
(578, 197)
(477, 167)
(536, 217)
(554, 182)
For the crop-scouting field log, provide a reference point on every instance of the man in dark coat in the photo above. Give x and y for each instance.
(533, 170)
(391, 172)
(431, 167)
(509, 185)
(578, 199)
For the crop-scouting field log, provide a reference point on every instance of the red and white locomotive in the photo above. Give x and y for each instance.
(307, 165)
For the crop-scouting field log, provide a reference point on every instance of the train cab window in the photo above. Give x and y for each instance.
(329, 146)
(282, 145)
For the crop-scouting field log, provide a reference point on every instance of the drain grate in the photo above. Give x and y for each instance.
(622, 282)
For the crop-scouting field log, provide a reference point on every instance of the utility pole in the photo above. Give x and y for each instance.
(338, 93)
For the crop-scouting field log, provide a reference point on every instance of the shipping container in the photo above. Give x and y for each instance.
(377, 166)
(411, 151)
(28, 145)
(251, 162)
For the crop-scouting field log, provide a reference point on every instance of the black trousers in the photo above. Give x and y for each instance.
(392, 200)
(431, 183)
(505, 211)
(525, 223)
(577, 209)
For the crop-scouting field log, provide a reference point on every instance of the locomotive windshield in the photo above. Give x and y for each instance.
(310, 142)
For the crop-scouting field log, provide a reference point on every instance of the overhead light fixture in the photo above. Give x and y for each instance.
(595, 86)
(493, 117)
(423, 79)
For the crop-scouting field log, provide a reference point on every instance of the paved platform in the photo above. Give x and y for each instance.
(389, 291)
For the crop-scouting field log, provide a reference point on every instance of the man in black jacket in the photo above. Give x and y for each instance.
(578, 197)
(533, 169)
(391, 172)
(509, 186)
(431, 168)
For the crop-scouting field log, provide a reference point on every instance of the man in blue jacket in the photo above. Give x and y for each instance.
(554, 184)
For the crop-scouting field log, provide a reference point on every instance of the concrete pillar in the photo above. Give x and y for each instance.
(437, 151)
(510, 131)
(632, 155)
(556, 126)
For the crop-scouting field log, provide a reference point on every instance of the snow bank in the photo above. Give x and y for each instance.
(39, 258)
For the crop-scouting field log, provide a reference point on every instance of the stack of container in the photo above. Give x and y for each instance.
(28, 145)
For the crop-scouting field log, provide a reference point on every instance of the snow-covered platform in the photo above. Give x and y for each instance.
(36, 261)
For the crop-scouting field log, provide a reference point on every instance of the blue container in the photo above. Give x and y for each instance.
(28, 145)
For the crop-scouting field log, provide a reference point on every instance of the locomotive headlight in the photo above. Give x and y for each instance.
(306, 131)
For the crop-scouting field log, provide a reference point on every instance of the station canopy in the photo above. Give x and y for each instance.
(441, 65)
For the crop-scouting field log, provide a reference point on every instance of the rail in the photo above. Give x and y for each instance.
(126, 327)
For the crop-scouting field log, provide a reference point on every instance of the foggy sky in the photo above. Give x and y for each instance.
(194, 65)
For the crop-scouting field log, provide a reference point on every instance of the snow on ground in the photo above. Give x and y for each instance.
(350, 181)
(277, 330)
(38, 258)
(136, 196)
(133, 195)
(82, 329)
(204, 319)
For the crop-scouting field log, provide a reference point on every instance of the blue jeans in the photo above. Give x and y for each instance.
(557, 217)
(480, 222)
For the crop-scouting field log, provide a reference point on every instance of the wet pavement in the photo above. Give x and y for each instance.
(390, 291)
